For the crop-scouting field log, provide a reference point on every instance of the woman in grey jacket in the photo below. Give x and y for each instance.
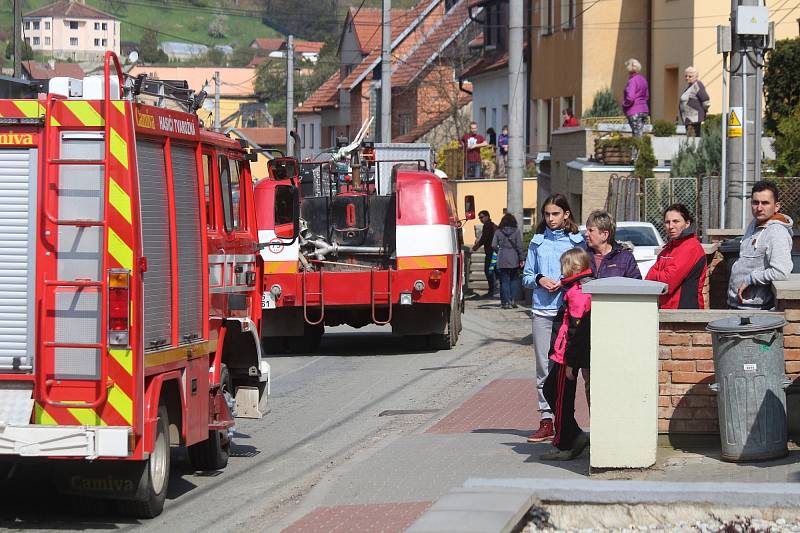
(507, 242)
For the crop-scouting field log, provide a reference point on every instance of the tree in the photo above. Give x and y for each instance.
(149, 52)
(216, 57)
(787, 145)
(27, 51)
(326, 65)
(780, 83)
(242, 56)
(271, 80)
(604, 105)
(703, 157)
(218, 28)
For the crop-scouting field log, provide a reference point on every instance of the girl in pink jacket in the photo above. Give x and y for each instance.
(570, 351)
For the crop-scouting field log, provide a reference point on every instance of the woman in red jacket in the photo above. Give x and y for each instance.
(681, 264)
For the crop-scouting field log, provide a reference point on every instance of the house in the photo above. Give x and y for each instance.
(177, 51)
(270, 47)
(33, 70)
(489, 75)
(69, 29)
(237, 86)
(270, 138)
(427, 41)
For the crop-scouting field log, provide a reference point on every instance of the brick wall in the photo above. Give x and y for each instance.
(686, 369)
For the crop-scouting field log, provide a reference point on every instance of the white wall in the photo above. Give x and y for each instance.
(309, 128)
(490, 93)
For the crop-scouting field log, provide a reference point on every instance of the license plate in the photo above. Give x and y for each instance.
(267, 300)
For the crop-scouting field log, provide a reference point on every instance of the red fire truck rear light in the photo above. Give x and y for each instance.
(435, 275)
(119, 303)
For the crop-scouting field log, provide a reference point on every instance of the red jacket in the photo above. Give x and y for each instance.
(682, 266)
(571, 340)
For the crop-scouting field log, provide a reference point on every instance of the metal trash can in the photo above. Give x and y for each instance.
(751, 400)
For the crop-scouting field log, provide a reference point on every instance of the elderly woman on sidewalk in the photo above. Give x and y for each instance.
(636, 97)
(694, 103)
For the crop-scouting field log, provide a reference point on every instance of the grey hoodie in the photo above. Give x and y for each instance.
(765, 255)
(508, 243)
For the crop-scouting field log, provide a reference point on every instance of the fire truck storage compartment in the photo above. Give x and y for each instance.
(18, 172)
(77, 312)
(350, 216)
(187, 220)
(379, 218)
(154, 206)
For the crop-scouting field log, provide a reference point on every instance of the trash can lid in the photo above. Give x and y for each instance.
(746, 323)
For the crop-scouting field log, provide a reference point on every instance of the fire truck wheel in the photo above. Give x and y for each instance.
(447, 340)
(308, 342)
(213, 453)
(154, 480)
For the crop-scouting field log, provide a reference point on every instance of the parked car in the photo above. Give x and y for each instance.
(645, 240)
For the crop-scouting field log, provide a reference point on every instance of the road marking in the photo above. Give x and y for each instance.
(299, 369)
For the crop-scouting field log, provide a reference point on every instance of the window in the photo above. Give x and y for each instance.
(97, 25)
(504, 116)
(546, 18)
(230, 189)
(36, 41)
(482, 119)
(302, 136)
(47, 24)
(528, 217)
(73, 41)
(236, 189)
(567, 102)
(35, 24)
(28, 40)
(495, 125)
(47, 41)
(73, 24)
(405, 123)
(27, 25)
(104, 26)
(97, 42)
(104, 42)
(311, 136)
(284, 205)
(567, 14)
(211, 223)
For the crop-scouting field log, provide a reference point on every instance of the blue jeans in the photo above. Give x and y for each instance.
(509, 285)
(474, 170)
(490, 274)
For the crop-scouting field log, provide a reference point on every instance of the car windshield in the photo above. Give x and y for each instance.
(639, 236)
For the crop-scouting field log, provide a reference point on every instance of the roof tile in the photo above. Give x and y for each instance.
(69, 9)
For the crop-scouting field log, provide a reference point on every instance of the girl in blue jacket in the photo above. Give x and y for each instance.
(556, 233)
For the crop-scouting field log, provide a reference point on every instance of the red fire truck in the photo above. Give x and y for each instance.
(130, 287)
(380, 243)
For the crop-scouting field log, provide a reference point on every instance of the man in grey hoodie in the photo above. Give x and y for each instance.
(765, 254)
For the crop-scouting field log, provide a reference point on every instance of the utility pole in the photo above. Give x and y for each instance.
(290, 95)
(386, 73)
(516, 110)
(17, 38)
(217, 89)
(746, 41)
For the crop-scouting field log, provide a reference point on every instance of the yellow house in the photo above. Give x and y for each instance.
(237, 87)
(490, 195)
(684, 33)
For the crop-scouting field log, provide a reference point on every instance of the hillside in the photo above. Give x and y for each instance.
(176, 20)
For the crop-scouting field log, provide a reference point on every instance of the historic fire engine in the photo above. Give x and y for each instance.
(379, 243)
(130, 287)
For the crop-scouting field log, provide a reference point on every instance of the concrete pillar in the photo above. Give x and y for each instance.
(624, 372)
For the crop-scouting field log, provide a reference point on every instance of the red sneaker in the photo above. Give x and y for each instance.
(544, 433)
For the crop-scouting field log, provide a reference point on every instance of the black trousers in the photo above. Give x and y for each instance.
(560, 394)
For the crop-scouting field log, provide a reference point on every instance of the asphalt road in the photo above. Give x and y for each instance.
(360, 391)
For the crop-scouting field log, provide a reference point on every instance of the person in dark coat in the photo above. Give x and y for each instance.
(487, 235)
(609, 258)
(510, 258)
(694, 103)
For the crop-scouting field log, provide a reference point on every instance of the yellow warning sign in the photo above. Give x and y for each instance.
(735, 122)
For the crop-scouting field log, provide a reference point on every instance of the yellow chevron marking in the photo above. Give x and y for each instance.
(119, 148)
(118, 198)
(40, 416)
(30, 108)
(121, 402)
(54, 122)
(87, 417)
(123, 357)
(119, 250)
(120, 105)
(280, 267)
(85, 112)
(416, 262)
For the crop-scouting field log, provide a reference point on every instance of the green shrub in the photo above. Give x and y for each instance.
(787, 145)
(781, 90)
(663, 128)
(645, 160)
(703, 157)
(603, 105)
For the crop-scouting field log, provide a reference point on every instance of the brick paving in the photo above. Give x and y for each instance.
(503, 403)
(382, 517)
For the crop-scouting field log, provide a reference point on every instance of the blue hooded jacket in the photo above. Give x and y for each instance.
(544, 259)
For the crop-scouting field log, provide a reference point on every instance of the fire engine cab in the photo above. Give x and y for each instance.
(130, 287)
(379, 243)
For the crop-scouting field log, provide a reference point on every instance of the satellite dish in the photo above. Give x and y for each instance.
(133, 57)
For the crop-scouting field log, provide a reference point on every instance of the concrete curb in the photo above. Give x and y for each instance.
(475, 509)
(650, 492)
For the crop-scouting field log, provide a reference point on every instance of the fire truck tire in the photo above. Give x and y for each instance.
(213, 453)
(154, 480)
(447, 340)
(309, 342)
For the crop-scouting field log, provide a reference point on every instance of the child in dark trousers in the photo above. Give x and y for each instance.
(570, 352)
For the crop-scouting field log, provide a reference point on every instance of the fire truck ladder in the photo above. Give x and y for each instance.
(374, 294)
(52, 173)
(321, 296)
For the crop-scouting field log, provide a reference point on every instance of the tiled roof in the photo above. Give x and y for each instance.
(69, 9)
(268, 45)
(487, 63)
(327, 95)
(451, 25)
(236, 82)
(266, 136)
(422, 129)
(256, 61)
(42, 71)
(301, 47)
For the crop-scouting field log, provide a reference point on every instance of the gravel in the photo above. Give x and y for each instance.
(740, 525)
